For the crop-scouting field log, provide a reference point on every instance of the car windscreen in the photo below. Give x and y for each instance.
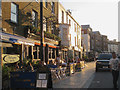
(104, 56)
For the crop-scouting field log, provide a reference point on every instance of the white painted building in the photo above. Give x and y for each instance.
(86, 37)
(113, 46)
(70, 31)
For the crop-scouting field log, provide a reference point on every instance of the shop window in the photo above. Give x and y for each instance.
(14, 13)
(53, 53)
(49, 53)
(35, 52)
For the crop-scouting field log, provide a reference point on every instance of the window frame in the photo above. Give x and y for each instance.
(53, 7)
(14, 13)
(46, 4)
(35, 21)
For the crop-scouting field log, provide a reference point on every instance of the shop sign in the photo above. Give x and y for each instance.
(9, 58)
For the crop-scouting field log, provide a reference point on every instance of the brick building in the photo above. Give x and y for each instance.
(21, 29)
(104, 43)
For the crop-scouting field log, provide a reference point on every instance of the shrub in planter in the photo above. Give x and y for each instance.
(6, 71)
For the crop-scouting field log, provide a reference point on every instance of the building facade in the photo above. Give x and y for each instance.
(113, 46)
(86, 38)
(21, 30)
(97, 42)
(104, 43)
(70, 33)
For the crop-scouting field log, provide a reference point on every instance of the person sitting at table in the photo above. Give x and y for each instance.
(58, 60)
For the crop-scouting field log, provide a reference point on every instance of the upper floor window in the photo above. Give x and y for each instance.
(62, 17)
(46, 3)
(53, 7)
(44, 24)
(14, 13)
(52, 27)
(70, 37)
(75, 27)
(69, 22)
(75, 41)
(35, 18)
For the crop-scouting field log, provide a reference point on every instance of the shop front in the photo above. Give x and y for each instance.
(14, 48)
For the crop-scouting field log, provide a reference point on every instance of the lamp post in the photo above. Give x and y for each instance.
(41, 32)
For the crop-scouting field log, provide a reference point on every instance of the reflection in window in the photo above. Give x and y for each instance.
(35, 18)
(53, 7)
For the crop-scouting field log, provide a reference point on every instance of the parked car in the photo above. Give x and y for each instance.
(103, 61)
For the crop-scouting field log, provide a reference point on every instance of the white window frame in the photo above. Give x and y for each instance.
(14, 14)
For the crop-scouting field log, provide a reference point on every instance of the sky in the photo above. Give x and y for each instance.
(101, 15)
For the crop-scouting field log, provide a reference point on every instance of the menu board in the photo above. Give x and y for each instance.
(41, 80)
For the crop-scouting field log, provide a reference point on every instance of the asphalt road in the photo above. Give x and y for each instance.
(88, 78)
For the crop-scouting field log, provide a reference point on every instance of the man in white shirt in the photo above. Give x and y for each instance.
(114, 65)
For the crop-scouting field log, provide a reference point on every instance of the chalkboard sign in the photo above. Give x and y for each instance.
(23, 80)
(28, 80)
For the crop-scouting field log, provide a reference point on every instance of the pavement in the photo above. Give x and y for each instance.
(79, 79)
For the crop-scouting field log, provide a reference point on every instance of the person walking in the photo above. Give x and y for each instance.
(114, 65)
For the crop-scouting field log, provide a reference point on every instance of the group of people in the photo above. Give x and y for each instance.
(29, 66)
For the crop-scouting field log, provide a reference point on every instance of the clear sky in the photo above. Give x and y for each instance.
(102, 15)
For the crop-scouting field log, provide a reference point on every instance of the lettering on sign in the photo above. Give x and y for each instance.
(8, 58)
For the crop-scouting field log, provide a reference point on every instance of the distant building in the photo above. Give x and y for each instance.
(104, 43)
(113, 46)
(86, 37)
(97, 48)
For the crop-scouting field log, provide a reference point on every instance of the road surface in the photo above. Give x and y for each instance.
(87, 78)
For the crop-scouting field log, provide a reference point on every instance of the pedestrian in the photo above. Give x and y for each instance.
(114, 65)
(76, 59)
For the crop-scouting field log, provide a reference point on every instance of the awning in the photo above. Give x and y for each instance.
(51, 45)
(16, 39)
(36, 43)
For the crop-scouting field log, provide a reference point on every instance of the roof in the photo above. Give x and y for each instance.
(96, 32)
